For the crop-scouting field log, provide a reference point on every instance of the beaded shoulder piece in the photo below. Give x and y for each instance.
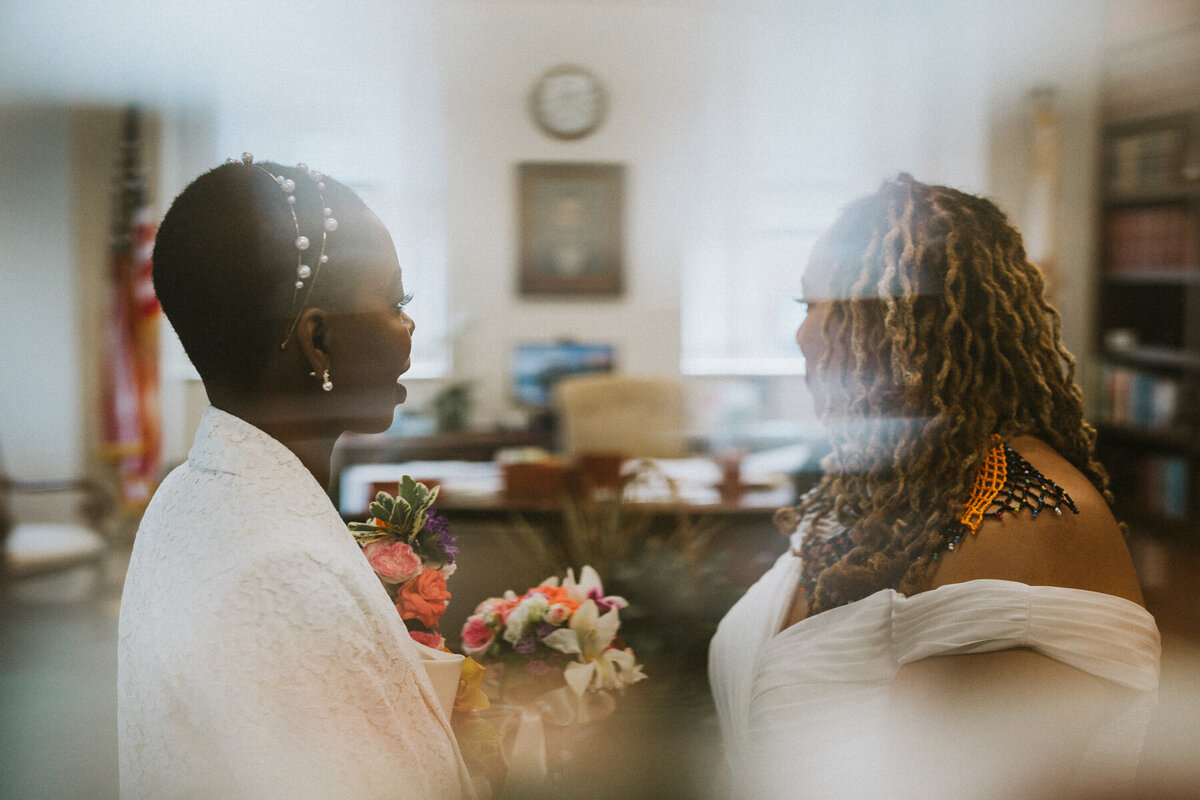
(1005, 484)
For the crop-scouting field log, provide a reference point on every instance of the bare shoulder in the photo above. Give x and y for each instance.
(1079, 551)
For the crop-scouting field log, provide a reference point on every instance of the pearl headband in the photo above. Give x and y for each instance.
(302, 243)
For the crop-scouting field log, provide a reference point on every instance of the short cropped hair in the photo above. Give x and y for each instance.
(225, 265)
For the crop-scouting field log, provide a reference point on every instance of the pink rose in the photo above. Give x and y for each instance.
(476, 635)
(394, 561)
(428, 638)
(558, 614)
(499, 607)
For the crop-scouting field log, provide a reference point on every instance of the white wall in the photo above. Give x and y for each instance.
(653, 62)
(1058, 45)
(728, 116)
(739, 123)
(42, 418)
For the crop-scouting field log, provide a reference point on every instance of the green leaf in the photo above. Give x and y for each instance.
(401, 514)
(367, 527)
(381, 506)
(417, 498)
(367, 538)
(404, 515)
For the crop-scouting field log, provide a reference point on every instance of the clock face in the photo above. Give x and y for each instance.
(568, 102)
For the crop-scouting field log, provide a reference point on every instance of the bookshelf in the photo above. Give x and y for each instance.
(1149, 321)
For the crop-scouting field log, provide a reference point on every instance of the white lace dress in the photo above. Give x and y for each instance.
(803, 710)
(258, 654)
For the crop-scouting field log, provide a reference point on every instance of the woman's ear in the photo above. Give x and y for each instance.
(311, 332)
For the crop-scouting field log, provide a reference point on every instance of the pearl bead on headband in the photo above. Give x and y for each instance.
(302, 243)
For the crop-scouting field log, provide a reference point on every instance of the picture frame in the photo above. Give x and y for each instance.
(570, 228)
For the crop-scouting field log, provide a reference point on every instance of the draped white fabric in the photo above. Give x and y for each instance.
(803, 710)
(259, 656)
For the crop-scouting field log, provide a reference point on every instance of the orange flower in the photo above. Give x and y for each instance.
(424, 598)
(556, 594)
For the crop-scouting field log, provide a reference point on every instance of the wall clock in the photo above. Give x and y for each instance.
(568, 102)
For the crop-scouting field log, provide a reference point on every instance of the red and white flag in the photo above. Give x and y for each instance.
(132, 426)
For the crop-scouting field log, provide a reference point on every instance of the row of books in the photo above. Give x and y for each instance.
(1162, 238)
(1138, 399)
(1145, 160)
(1161, 485)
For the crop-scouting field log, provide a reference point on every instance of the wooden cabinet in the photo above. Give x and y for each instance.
(1148, 321)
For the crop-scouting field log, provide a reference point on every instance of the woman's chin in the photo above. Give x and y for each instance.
(375, 417)
(372, 424)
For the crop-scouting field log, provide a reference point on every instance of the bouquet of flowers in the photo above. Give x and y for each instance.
(412, 551)
(556, 646)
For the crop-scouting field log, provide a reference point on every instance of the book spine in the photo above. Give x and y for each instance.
(1175, 483)
(1151, 239)
(1138, 399)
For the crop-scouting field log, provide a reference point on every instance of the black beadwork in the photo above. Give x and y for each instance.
(1024, 487)
(818, 554)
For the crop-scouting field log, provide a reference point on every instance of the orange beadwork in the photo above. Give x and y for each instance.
(989, 480)
(1005, 483)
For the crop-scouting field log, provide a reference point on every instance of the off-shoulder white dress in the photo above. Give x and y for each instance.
(803, 709)
(258, 655)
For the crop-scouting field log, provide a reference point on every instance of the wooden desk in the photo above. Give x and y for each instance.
(754, 507)
(474, 489)
(382, 448)
(376, 448)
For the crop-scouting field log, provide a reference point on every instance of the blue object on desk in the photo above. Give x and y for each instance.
(536, 367)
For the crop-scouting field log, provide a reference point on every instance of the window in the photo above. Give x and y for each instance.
(739, 315)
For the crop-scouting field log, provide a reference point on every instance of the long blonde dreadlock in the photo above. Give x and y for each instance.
(938, 336)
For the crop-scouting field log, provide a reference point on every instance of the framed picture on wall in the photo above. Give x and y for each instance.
(570, 228)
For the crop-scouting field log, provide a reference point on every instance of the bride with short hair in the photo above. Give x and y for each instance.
(259, 655)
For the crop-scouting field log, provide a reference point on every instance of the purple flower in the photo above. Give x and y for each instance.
(545, 629)
(526, 645)
(605, 603)
(436, 525)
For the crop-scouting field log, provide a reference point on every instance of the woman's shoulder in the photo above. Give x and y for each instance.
(1080, 548)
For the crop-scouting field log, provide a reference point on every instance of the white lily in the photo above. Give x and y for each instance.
(587, 587)
(613, 669)
(587, 633)
(589, 637)
(581, 590)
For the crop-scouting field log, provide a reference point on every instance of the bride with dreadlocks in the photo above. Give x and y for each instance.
(958, 614)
